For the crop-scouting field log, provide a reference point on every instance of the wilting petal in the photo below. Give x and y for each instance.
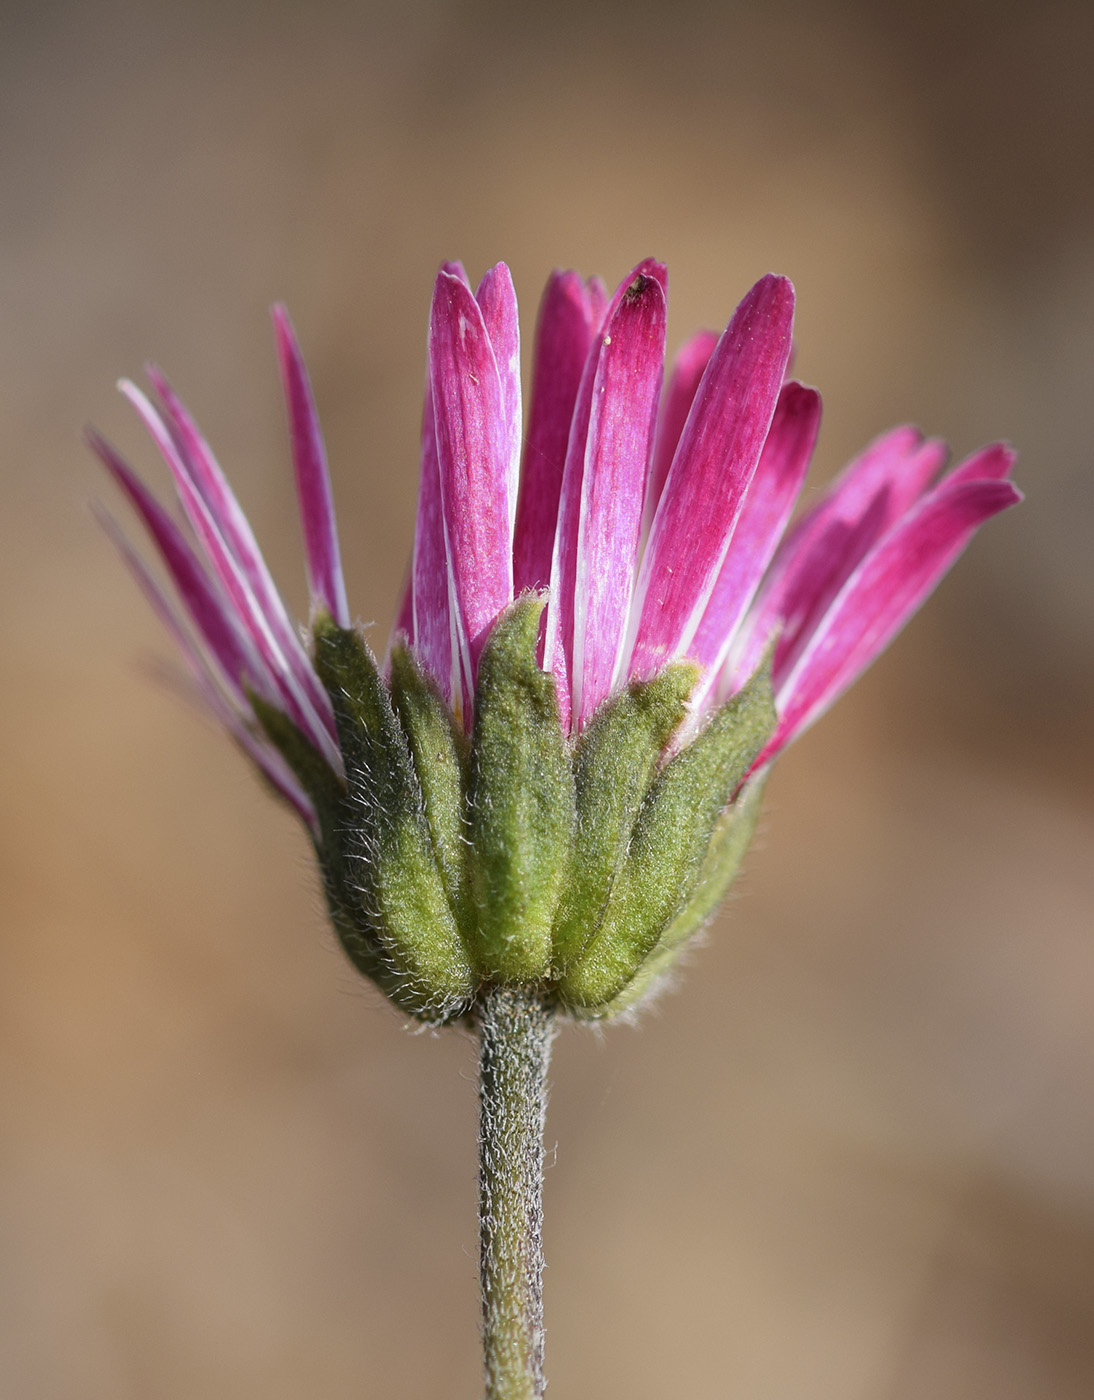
(209, 609)
(767, 506)
(691, 361)
(823, 549)
(315, 722)
(498, 302)
(881, 595)
(564, 333)
(713, 467)
(184, 447)
(325, 581)
(626, 391)
(233, 717)
(473, 459)
(558, 648)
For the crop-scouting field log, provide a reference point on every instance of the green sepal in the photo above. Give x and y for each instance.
(439, 752)
(732, 836)
(614, 763)
(521, 803)
(357, 932)
(669, 843)
(394, 859)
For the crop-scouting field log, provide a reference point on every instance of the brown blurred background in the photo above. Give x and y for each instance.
(852, 1156)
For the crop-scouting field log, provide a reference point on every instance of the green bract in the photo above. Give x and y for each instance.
(517, 857)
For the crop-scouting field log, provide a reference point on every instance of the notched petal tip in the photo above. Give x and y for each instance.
(995, 462)
(457, 269)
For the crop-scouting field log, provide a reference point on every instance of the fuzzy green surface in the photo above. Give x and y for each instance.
(669, 844)
(517, 857)
(614, 763)
(394, 857)
(439, 754)
(521, 805)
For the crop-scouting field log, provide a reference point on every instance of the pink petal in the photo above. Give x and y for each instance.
(625, 396)
(431, 624)
(559, 627)
(564, 332)
(325, 581)
(710, 474)
(558, 647)
(993, 462)
(473, 455)
(767, 507)
(598, 293)
(183, 447)
(691, 361)
(888, 586)
(900, 463)
(314, 719)
(497, 299)
(209, 609)
(235, 718)
(822, 550)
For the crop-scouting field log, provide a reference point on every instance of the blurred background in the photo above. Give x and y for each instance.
(851, 1156)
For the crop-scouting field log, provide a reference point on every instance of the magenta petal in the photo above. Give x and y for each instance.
(881, 595)
(313, 717)
(559, 622)
(497, 299)
(236, 716)
(431, 624)
(896, 467)
(559, 627)
(688, 368)
(994, 462)
(598, 299)
(185, 450)
(210, 611)
(767, 507)
(473, 455)
(457, 269)
(625, 396)
(648, 267)
(822, 550)
(313, 490)
(711, 472)
(564, 332)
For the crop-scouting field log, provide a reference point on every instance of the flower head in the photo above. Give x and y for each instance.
(607, 635)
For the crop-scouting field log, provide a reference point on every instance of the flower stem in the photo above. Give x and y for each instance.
(516, 1032)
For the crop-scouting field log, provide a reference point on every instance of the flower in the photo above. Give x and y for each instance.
(714, 475)
(601, 761)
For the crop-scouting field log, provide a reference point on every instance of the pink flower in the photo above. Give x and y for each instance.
(658, 527)
(657, 524)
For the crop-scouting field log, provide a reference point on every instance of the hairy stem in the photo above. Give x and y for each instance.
(516, 1032)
